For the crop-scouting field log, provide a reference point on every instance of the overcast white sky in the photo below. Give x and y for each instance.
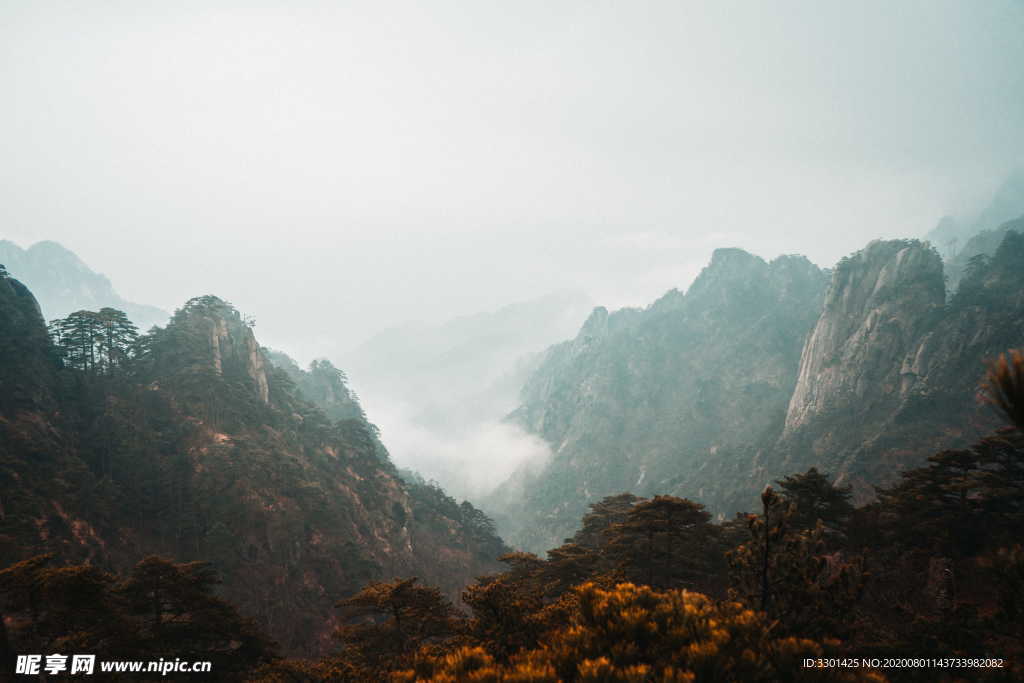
(333, 168)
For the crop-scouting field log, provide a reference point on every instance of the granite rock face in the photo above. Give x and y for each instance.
(232, 342)
(641, 399)
(880, 303)
(761, 370)
(889, 378)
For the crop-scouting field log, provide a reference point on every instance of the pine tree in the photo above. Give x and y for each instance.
(77, 337)
(504, 614)
(602, 515)
(788, 572)
(665, 542)
(389, 621)
(162, 609)
(179, 616)
(116, 339)
(816, 498)
(570, 565)
(95, 342)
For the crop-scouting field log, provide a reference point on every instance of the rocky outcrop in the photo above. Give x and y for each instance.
(758, 372)
(881, 301)
(231, 347)
(647, 400)
(26, 371)
(889, 374)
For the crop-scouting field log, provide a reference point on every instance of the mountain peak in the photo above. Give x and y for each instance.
(733, 257)
(596, 323)
(885, 269)
(878, 306)
(232, 344)
(63, 283)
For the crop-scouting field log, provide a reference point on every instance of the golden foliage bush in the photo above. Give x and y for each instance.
(635, 633)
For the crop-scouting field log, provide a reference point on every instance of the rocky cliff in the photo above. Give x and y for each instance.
(881, 301)
(26, 366)
(758, 372)
(232, 344)
(889, 378)
(646, 400)
(200, 449)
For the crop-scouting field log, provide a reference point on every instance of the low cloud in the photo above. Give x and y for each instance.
(471, 464)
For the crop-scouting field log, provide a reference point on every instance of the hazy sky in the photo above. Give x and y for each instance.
(336, 167)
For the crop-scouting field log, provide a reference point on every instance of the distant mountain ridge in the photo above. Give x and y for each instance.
(640, 397)
(761, 370)
(62, 283)
(476, 348)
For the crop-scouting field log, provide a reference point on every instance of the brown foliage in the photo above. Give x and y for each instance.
(389, 621)
(1004, 386)
(634, 633)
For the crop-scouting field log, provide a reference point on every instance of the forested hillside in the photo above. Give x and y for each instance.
(189, 443)
(925, 584)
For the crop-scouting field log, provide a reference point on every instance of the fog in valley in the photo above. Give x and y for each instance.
(431, 194)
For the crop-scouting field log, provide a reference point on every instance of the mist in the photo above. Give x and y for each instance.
(470, 464)
(441, 392)
(336, 170)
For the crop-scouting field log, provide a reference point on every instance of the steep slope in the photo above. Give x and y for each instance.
(882, 300)
(62, 283)
(650, 400)
(201, 449)
(26, 366)
(983, 243)
(326, 387)
(889, 373)
(713, 394)
(322, 384)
